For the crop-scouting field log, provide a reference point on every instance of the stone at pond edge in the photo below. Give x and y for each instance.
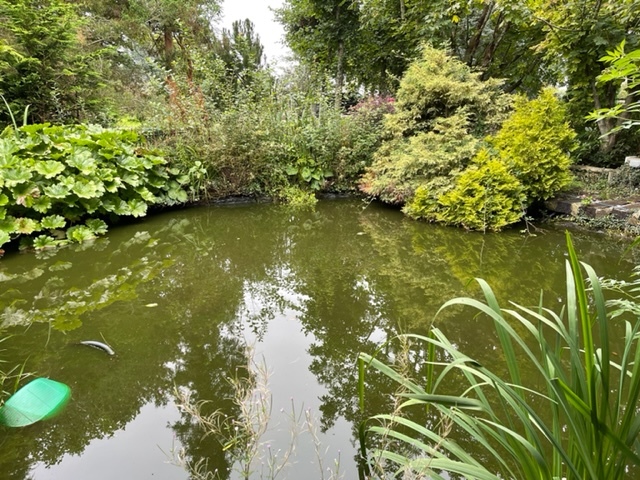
(569, 205)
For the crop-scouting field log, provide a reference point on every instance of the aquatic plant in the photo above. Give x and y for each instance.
(243, 437)
(581, 424)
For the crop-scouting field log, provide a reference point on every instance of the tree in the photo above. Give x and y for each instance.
(494, 37)
(623, 70)
(167, 30)
(45, 63)
(241, 51)
(382, 37)
(577, 35)
(324, 34)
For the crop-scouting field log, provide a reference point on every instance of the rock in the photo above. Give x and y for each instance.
(633, 162)
(565, 205)
(623, 212)
(634, 219)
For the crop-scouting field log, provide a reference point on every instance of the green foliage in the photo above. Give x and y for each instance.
(441, 113)
(486, 196)
(272, 135)
(296, 197)
(428, 159)
(577, 35)
(307, 172)
(45, 62)
(577, 422)
(437, 86)
(535, 142)
(54, 176)
(624, 68)
(324, 34)
(241, 51)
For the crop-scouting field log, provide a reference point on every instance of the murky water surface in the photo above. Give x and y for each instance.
(180, 295)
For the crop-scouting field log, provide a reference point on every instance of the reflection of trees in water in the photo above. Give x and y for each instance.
(355, 278)
(156, 348)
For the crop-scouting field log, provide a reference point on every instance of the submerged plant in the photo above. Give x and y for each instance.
(9, 379)
(581, 424)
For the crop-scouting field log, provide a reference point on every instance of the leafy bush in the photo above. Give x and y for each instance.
(535, 142)
(335, 148)
(486, 196)
(54, 176)
(271, 137)
(441, 113)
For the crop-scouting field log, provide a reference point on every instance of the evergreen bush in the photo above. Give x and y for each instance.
(442, 112)
(486, 196)
(535, 143)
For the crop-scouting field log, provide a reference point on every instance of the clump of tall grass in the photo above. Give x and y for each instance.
(582, 424)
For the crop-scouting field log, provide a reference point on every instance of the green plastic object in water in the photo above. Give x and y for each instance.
(37, 400)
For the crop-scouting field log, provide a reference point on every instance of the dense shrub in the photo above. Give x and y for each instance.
(360, 135)
(535, 142)
(52, 177)
(442, 112)
(529, 161)
(486, 196)
(428, 159)
(55, 73)
(274, 135)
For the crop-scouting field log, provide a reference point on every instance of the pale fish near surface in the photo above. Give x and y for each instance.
(99, 345)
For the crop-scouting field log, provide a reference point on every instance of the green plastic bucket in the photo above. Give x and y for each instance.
(38, 400)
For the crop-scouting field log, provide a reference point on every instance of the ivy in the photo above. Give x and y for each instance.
(52, 177)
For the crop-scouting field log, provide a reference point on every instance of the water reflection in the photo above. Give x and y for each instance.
(328, 283)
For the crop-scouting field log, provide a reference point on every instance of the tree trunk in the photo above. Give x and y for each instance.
(168, 47)
(474, 43)
(606, 125)
(339, 76)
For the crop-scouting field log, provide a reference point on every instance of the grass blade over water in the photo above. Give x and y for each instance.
(579, 422)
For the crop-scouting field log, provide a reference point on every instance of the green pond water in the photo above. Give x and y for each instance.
(180, 295)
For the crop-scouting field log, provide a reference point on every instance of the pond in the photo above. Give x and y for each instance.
(180, 295)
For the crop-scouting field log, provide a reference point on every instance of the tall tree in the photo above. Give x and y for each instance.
(492, 36)
(241, 51)
(46, 62)
(167, 30)
(324, 33)
(577, 34)
(381, 37)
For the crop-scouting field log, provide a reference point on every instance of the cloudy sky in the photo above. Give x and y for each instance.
(258, 11)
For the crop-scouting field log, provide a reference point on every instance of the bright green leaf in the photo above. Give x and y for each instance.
(49, 168)
(53, 222)
(57, 191)
(138, 207)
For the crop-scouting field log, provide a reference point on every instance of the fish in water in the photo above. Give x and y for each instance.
(99, 345)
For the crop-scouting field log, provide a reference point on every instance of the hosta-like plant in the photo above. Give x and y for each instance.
(52, 177)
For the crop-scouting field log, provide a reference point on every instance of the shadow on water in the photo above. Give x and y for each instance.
(177, 296)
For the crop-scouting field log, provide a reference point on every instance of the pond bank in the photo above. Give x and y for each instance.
(606, 199)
